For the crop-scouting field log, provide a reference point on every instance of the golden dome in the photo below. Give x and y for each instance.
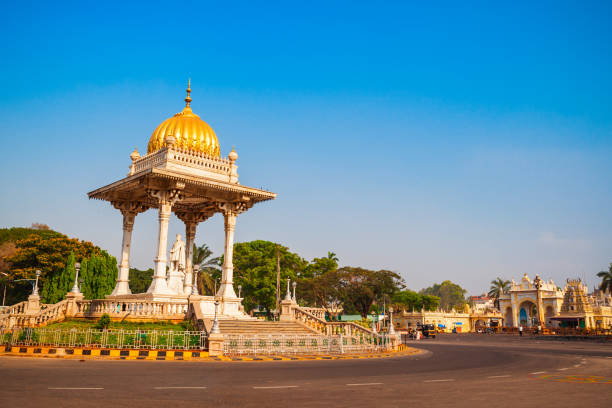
(189, 131)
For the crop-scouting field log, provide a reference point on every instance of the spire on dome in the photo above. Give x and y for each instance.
(188, 98)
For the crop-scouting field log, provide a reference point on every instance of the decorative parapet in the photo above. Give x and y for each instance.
(189, 162)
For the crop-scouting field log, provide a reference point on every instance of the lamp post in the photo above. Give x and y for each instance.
(75, 287)
(35, 290)
(215, 327)
(391, 328)
(239, 290)
(4, 297)
(194, 287)
(294, 284)
(373, 321)
(537, 282)
(288, 295)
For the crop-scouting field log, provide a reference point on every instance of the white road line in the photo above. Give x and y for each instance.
(354, 385)
(275, 387)
(75, 388)
(179, 388)
(499, 376)
(450, 379)
(538, 372)
(562, 369)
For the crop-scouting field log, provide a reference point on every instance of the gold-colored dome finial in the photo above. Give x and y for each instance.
(188, 98)
(188, 132)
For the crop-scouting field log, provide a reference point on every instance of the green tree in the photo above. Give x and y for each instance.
(59, 283)
(99, 274)
(498, 288)
(361, 287)
(410, 300)
(452, 296)
(606, 280)
(209, 268)
(255, 269)
(140, 280)
(47, 251)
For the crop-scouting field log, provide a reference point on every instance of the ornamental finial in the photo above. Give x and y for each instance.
(188, 98)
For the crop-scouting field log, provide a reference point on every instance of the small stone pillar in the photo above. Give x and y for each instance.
(215, 344)
(286, 312)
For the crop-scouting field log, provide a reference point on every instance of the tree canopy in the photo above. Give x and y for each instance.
(452, 296)
(54, 254)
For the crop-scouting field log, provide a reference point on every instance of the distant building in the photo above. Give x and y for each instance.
(519, 306)
(525, 302)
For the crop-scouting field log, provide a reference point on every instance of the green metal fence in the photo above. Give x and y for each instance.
(94, 338)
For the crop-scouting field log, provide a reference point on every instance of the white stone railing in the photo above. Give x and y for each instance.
(328, 328)
(150, 160)
(316, 311)
(17, 308)
(196, 159)
(198, 163)
(131, 308)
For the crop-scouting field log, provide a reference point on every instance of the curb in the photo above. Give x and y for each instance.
(178, 355)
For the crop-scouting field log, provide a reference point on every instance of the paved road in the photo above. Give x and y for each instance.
(457, 371)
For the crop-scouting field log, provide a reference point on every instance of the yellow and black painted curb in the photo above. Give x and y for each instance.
(178, 355)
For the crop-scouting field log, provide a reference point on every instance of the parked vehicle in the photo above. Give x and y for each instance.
(428, 330)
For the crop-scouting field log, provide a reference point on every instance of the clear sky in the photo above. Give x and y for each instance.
(462, 141)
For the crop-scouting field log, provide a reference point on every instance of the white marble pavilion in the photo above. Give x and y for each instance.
(182, 173)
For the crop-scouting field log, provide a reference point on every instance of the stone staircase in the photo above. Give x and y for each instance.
(261, 327)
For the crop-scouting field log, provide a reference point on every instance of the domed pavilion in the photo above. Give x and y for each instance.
(183, 173)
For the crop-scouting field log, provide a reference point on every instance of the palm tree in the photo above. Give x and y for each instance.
(498, 287)
(209, 267)
(332, 256)
(606, 280)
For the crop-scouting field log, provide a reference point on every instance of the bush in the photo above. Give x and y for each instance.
(104, 322)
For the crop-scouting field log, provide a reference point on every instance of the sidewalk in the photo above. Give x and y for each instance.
(178, 355)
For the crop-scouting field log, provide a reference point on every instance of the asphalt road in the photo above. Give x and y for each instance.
(456, 371)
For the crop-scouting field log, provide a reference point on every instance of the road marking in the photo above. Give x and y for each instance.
(562, 369)
(450, 379)
(499, 376)
(75, 388)
(538, 372)
(179, 388)
(275, 386)
(354, 385)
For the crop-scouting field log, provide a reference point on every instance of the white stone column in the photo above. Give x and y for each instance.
(227, 278)
(230, 212)
(123, 279)
(165, 198)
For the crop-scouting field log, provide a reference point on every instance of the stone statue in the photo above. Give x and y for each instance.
(177, 255)
(176, 275)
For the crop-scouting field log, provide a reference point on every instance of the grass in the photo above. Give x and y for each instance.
(90, 324)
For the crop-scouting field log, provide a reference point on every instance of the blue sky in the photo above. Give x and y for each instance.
(456, 141)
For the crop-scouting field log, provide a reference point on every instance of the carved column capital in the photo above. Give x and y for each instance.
(166, 197)
(193, 217)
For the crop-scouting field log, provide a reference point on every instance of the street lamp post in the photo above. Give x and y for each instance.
(288, 295)
(35, 290)
(391, 328)
(239, 290)
(194, 287)
(294, 284)
(537, 282)
(4, 297)
(75, 287)
(215, 327)
(373, 321)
